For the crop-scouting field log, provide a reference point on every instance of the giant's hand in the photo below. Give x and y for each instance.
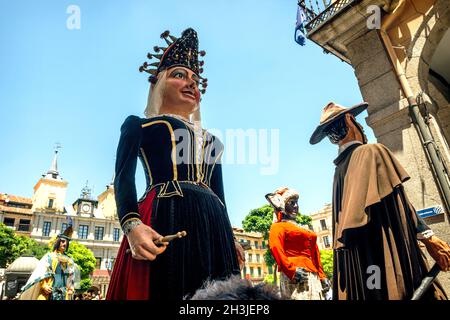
(326, 285)
(46, 289)
(439, 250)
(301, 275)
(141, 240)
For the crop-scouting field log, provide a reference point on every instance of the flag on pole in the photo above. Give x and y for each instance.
(300, 34)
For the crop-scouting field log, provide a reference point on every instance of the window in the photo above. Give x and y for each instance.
(116, 234)
(256, 245)
(250, 257)
(111, 263)
(323, 224)
(257, 258)
(259, 272)
(46, 228)
(326, 241)
(9, 222)
(24, 225)
(83, 231)
(50, 203)
(17, 205)
(251, 271)
(64, 226)
(263, 244)
(98, 234)
(98, 262)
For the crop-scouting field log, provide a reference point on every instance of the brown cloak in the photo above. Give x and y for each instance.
(377, 256)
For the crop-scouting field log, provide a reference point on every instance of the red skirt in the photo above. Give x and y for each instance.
(130, 279)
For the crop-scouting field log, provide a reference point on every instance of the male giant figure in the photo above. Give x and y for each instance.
(375, 227)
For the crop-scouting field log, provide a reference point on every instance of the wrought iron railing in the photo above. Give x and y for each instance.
(319, 11)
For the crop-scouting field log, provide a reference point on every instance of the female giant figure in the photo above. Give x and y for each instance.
(184, 186)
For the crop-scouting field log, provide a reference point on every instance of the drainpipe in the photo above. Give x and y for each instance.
(424, 133)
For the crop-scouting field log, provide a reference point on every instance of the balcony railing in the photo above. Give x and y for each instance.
(320, 11)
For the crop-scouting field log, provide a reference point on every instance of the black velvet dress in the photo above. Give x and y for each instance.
(184, 192)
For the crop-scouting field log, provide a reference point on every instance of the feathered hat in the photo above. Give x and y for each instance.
(330, 113)
(278, 200)
(181, 51)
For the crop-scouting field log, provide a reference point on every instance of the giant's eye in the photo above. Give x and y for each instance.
(179, 74)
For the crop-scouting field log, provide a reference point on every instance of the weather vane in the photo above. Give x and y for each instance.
(57, 146)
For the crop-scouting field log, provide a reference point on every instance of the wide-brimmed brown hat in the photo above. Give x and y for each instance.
(331, 113)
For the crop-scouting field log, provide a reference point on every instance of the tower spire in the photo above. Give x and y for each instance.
(86, 192)
(53, 171)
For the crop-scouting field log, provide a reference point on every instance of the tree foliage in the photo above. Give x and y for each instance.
(326, 257)
(259, 220)
(35, 249)
(8, 247)
(13, 246)
(85, 260)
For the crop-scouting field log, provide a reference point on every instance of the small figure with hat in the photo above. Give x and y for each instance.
(376, 228)
(295, 250)
(56, 276)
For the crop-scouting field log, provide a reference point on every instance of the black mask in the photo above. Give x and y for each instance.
(291, 208)
(337, 130)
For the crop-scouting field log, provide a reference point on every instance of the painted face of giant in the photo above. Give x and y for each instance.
(181, 90)
(291, 207)
(62, 245)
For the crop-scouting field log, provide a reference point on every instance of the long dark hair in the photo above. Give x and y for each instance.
(58, 243)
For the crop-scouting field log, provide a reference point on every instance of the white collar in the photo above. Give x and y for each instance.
(348, 144)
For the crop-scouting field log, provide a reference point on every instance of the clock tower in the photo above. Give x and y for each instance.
(85, 205)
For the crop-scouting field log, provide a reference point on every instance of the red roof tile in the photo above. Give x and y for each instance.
(100, 273)
(14, 198)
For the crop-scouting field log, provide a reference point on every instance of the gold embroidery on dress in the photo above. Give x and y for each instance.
(214, 165)
(200, 168)
(147, 165)
(175, 185)
(174, 149)
(123, 218)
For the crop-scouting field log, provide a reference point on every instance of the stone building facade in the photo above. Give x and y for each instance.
(322, 226)
(255, 246)
(16, 213)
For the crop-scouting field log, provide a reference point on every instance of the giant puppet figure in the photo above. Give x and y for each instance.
(56, 276)
(295, 250)
(184, 190)
(375, 226)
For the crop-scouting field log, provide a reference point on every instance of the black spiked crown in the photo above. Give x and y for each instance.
(181, 51)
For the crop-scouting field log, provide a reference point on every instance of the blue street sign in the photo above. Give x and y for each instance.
(428, 212)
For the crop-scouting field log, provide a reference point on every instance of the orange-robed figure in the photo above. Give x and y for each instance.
(295, 250)
(292, 247)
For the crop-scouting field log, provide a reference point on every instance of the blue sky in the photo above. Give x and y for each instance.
(77, 86)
